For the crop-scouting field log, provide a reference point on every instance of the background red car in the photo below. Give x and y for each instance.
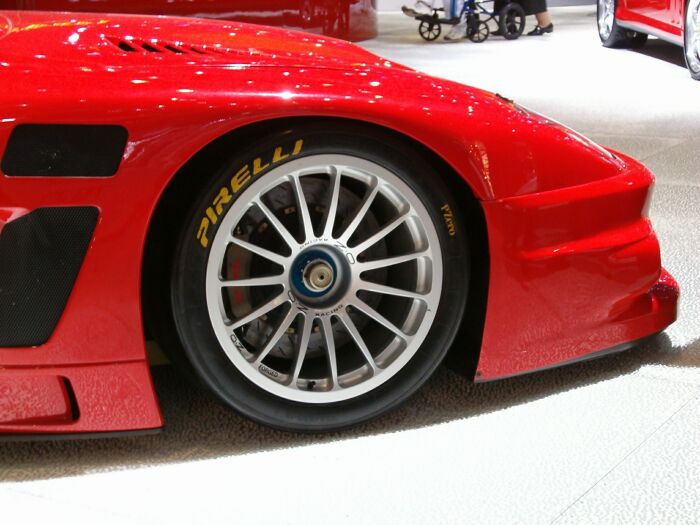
(627, 23)
(347, 19)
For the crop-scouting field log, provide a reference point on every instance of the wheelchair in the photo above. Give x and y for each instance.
(510, 19)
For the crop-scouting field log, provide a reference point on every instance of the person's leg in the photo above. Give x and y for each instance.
(448, 6)
(457, 8)
(497, 6)
(543, 19)
(544, 24)
(458, 31)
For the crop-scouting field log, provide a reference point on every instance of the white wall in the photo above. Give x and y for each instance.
(391, 5)
(395, 5)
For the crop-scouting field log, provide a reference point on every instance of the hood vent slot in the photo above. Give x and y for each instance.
(158, 47)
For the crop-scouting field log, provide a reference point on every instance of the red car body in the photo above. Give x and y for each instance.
(574, 264)
(659, 18)
(347, 19)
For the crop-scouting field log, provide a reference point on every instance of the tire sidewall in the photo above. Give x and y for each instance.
(695, 74)
(520, 12)
(188, 299)
(610, 41)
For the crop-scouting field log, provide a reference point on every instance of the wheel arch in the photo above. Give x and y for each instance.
(171, 212)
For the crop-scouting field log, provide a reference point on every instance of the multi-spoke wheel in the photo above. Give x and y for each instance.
(480, 32)
(319, 283)
(610, 33)
(430, 29)
(692, 38)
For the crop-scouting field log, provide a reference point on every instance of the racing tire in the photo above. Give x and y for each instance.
(321, 277)
(610, 33)
(691, 38)
(511, 21)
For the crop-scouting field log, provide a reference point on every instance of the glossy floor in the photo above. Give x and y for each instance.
(611, 441)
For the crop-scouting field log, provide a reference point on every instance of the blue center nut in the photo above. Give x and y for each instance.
(319, 275)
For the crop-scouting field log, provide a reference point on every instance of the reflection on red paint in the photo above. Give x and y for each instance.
(347, 19)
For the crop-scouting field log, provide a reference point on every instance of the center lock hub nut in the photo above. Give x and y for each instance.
(320, 276)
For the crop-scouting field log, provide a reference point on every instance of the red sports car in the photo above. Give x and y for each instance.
(629, 22)
(348, 19)
(297, 223)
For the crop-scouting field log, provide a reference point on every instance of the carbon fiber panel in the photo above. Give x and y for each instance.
(40, 257)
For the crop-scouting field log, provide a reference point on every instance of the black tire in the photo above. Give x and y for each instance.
(692, 59)
(188, 300)
(619, 37)
(430, 31)
(511, 21)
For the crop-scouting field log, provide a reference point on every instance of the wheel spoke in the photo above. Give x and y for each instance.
(389, 290)
(275, 338)
(304, 209)
(260, 311)
(254, 281)
(333, 205)
(357, 337)
(287, 237)
(330, 348)
(360, 215)
(372, 313)
(390, 261)
(386, 230)
(302, 347)
(259, 250)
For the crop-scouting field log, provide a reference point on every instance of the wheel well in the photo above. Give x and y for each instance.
(174, 205)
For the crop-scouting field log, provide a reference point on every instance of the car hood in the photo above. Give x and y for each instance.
(218, 76)
(143, 40)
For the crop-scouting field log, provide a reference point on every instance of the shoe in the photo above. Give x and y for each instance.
(497, 32)
(421, 8)
(458, 32)
(539, 31)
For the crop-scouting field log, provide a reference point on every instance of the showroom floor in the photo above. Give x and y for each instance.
(611, 441)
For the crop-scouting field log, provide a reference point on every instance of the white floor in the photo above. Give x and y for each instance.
(611, 441)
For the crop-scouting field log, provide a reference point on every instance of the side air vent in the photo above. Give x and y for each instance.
(40, 257)
(64, 150)
(168, 48)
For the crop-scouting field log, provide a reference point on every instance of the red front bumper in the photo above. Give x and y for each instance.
(573, 272)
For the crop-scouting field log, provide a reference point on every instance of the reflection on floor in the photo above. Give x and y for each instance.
(611, 441)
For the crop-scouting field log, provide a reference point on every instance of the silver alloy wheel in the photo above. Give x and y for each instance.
(332, 323)
(692, 35)
(606, 18)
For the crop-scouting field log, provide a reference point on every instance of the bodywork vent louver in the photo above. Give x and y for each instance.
(167, 48)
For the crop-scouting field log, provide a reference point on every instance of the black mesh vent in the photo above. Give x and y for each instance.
(40, 257)
(64, 150)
